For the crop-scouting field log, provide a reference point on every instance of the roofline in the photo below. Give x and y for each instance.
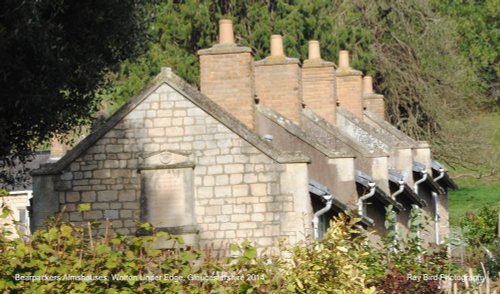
(338, 134)
(405, 140)
(166, 76)
(395, 178)
(434, 185)
(386, 199)
(296, 131)
(388, 140)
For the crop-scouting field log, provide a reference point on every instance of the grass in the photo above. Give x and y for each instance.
(471, 196)
(477, 193)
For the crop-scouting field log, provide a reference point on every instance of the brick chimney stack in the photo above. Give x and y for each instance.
(349, 88)
(373, 103)
(227, 75)
(57, 149)
(278, 81)
(318, 84)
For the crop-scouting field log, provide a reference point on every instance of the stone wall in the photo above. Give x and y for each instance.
(239, 192)
(333, 171)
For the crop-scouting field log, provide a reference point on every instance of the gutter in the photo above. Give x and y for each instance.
(366, 196)
(315, 220)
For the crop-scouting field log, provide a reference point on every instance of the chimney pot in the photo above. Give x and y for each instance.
(344, 59)
(226, 35)
(277, 46)
(367, 85)
(314, 52)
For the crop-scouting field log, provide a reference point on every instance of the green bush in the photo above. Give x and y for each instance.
(71, 258)
(481, 228)
(402, 265)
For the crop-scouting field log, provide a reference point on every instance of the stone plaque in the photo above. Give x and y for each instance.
(167, 197)
(164, 159)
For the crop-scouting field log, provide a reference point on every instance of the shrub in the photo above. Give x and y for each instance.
(402, 265)
(336, 264)
(481, 228)
(70, 258)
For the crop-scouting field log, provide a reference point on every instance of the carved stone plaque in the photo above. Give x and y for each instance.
(167, 197)
(164, 159)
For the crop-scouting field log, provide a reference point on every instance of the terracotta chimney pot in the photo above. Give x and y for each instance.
(367, 85)
(314, 52)
(277, 46)
(226, 35)
(344, 59)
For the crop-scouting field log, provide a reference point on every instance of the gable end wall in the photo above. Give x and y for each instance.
(239, 192)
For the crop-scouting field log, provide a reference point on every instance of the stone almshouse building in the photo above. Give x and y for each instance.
(266, 150)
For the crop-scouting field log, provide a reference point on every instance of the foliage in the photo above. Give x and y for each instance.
(79, 261)
(72, 258)
(479, 29)
(402, 268)
(481, 228)
(54, 56)
(179, 30)
(492, 264)
(410, 49)
(332, 265)
(14, 173)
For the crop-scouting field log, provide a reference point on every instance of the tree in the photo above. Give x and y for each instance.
(479, 39)
(412, 51)
(179, 30)
(54, 55)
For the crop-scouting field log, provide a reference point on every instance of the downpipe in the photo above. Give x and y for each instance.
(436, 217)
(366, 196)
(399, 191)
(423, 179)
(436, 209)
(315, 220)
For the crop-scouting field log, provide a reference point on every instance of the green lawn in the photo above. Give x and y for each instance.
(476, 193)
(471, 196)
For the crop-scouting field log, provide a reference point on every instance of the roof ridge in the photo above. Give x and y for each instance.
(166, 76)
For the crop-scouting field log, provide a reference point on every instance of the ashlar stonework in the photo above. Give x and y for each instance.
(171, 163)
